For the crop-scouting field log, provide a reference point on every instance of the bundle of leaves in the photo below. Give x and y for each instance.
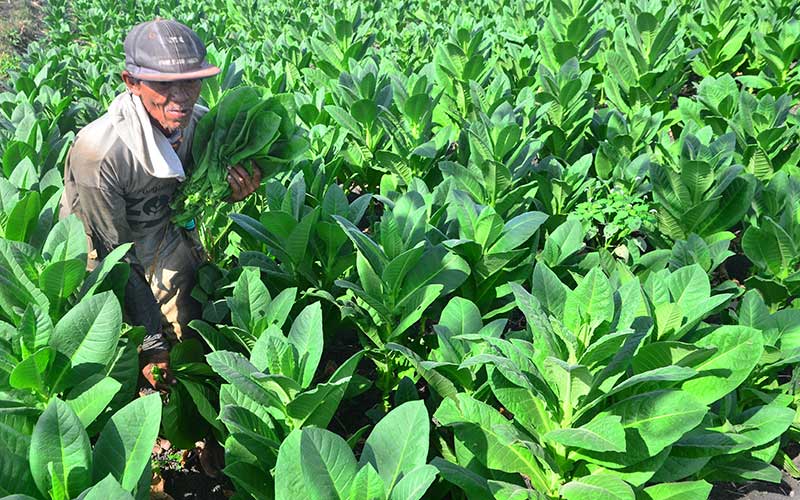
(245, 128)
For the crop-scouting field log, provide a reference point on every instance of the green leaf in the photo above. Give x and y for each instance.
(344, 119)
(334, 202)
(637, 474)
(317, 406)
(369, 249)
(507, 491)
(251, 432)
(16, 425)
(562, 243)
(202, 395)
(414, 484)
(480, 428)
(399, 443)
(28, 374)
(272, 353)
(742, 469)
(278, 310)
(239, 372)
(87, 336)
(297, 240)
(215, 340)
(399, 267)
(35, 327)
(591, 303)
(461, 317)
(441, 384)
(517, 231)
(769, 247)
(124, 368)
(763, 424)
(89, 398)
(436, 267)
(367, 485)
(60, 441)
(603, 433)
(61, 279)
(106, 489)
(528, 405)
(59, 490)
(415, 306)
(258, 231)
(599, 487)
(537, 318)
(328, 464)
(702, 442)
(290, 483)
(104, 269)
(474, 485)
(306, 336)
(16, 289)
(125, 443)
(66, 241)
(753, 312)
(181, 423)
(734, 203)
(738, 349)
(689, 490)
(249, 302)
(662, 374)
(550, 291)
(570, 381)
(364, 111)
(652, 421)
(689, 286)
(23, 217)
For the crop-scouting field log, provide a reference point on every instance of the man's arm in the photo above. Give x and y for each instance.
(103, 214)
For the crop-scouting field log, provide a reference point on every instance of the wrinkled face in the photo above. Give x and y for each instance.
(169, 104)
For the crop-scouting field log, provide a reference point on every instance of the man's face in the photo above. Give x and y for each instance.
(169, 104)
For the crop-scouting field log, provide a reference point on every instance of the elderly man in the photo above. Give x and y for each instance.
(123, 169)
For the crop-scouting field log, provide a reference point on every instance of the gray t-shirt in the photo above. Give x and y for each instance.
(119, 202)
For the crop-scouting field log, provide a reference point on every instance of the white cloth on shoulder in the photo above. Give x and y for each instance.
(148, 144)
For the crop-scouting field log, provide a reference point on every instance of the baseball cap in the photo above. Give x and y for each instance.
(163, 50)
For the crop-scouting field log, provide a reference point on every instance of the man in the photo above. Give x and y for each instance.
(123, 170)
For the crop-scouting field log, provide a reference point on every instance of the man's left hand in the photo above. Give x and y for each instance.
(155, 369)
(242, 184)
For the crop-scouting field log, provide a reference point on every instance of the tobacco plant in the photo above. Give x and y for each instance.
(700, 189)
(604, 393)
(401, 272)
(315, 463)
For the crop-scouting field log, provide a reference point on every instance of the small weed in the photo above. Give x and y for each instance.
(614, 214)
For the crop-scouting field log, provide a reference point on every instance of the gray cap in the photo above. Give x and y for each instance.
(164, 50)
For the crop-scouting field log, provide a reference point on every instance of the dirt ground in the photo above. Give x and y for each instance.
(756, 490)
(19, 25)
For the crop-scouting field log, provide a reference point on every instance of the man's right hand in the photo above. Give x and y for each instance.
(155, 369)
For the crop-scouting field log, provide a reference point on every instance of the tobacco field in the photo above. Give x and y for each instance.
(543, 249)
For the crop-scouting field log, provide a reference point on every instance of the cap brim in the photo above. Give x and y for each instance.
(157, 76)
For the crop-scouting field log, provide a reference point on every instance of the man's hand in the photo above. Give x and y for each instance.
(155, 369)
(242, 184)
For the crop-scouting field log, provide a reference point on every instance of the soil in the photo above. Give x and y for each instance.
(352, 413)
(181, 476)
(758, 490)
(192, 483)
(20, 24)
(788, 488)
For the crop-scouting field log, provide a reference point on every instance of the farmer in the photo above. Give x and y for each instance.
(123, 170)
